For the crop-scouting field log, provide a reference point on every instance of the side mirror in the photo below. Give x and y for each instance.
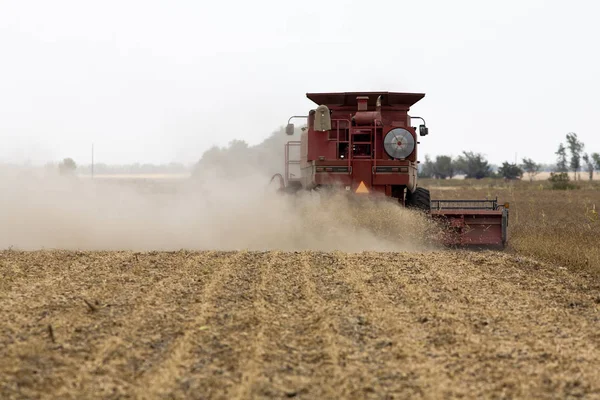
(289, 129)
(423, 130)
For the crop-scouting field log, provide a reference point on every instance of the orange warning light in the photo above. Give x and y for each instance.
(362, 188)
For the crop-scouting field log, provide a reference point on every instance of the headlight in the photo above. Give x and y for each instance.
(399, 143)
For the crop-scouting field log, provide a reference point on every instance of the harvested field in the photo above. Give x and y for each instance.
(295, 325)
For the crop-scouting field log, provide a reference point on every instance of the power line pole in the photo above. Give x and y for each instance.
(92, 160)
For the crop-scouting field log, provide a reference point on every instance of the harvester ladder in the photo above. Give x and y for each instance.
(371, 130)
(288, 161)
(348, 132)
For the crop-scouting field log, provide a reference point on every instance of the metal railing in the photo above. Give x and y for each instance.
(465, 204)
(288, 161)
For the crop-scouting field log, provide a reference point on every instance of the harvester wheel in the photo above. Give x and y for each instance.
(419, 199)
(291, 188)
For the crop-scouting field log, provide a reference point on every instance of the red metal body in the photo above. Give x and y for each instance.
(472, 222)
(472, 227)
(350, 153)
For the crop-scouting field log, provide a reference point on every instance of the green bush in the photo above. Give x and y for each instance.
(561, 181)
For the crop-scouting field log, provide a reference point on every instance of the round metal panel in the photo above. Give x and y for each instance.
(399, 143)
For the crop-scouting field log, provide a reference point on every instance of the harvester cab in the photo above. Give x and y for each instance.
(365, 143)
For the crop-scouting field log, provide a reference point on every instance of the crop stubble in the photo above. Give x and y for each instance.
(294, 324)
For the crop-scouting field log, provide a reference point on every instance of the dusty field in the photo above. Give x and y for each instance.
(305, 325)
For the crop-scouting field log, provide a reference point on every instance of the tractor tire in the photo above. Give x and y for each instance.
(420, 199)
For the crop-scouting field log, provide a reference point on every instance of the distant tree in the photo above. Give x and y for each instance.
(561, 162)
(236, 159)
(443, 167)
(531, 167)
(510, 171)
(596, 158)
(214, 154)
(589, 165)
(473, 165)
(575, 148)
(238, 148)
(67, 166)
(427, 168)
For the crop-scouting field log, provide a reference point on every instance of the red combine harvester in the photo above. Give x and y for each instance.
(364, 143)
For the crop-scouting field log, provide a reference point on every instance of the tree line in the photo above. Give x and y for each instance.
(475, 166)
(69, 167)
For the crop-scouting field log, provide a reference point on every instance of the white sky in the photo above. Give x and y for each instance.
(161, 81)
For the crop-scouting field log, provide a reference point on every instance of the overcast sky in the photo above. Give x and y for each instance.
(161, 81)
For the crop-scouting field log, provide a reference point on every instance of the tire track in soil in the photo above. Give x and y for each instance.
(251, 367)
(460, 326)
(301, 358)
(26, 283)
(509, 324)
(204, 362)
(159, 327)
(161, 379)
(120, 324)
(327, 375)
(303, 325)
(148, 327)
(60, 299)
(392, 322)
(358, 373)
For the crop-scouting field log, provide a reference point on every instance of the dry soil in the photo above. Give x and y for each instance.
(307, 325)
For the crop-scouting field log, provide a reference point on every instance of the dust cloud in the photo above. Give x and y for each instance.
(217, 209)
